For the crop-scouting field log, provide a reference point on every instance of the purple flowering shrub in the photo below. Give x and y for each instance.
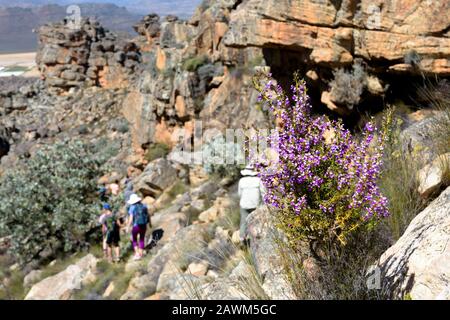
(324, 182)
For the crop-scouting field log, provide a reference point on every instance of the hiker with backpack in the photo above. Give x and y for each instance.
(111, 224)
(137, 221)
(250, 191)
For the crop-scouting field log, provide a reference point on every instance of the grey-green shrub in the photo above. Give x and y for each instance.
(348, 86)
(49, 203)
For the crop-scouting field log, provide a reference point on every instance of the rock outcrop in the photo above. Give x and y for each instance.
(85, 55)
(268, 262)
(336, 32)
(62, 285)
(390, 39)
(417, 264)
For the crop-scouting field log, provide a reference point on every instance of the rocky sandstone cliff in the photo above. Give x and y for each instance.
(87, 56)
(334, 33)
(147, 90)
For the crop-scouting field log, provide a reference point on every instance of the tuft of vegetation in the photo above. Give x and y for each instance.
(192, 64)
(437, 96)
(156, 151)
(11, 281)
(107, 273)
(347, 276)
(120, 125)
(348, 86)
(178, 188)
(399, 183)
(49, 203)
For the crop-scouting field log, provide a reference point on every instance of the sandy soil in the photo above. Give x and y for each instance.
(21, 59)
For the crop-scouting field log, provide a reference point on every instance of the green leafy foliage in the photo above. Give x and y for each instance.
(156, 151)
(192, 64)
(49, 204)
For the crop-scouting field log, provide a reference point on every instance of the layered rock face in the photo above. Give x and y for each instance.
(390, 39)
(336, 32)
(85, 55)
(190, 75)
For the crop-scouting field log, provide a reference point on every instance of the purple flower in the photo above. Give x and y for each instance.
(312, 174)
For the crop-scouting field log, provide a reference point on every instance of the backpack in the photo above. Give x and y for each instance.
(140, 216)
(110, 222)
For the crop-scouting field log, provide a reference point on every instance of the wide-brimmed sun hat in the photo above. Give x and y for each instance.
(249, 171)
(134, 198)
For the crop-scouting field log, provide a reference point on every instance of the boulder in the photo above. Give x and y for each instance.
(198, 269)
(197, 176)
(62, 285)
(189, 241)
(157, 176)
(268, 262)
(416, 137)
(209, 215)
(433, 175)
(417, 264)
(240, 284)
(31, 278)
(170, 223)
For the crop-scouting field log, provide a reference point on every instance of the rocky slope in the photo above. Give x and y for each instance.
(138, 92)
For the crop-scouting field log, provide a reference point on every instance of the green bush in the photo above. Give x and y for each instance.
(49, 203)
(156, 151)
(192, 64)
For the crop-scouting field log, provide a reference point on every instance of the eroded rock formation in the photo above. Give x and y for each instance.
(85, 55)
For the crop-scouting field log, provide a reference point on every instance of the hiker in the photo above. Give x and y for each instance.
(115, 188)
(112, 225)
(250, 191)
(137, 221)
(101, 221)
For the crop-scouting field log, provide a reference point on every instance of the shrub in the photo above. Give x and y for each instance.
(345, 277)
(156, 151)
(324, 184)
(120, 125)
(178, 188)
(192, 64)
(49, 202)
(347, 86)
